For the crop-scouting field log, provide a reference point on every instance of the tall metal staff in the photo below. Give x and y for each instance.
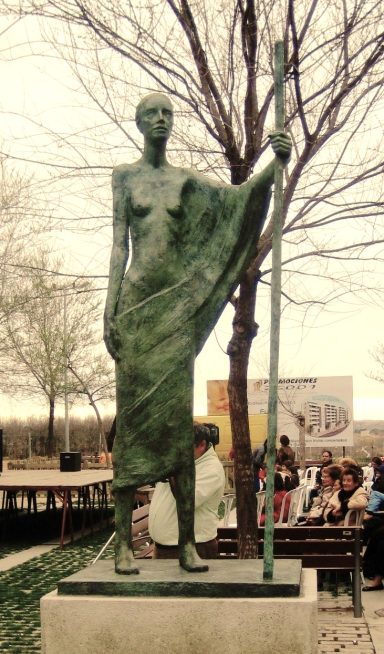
(275, 316)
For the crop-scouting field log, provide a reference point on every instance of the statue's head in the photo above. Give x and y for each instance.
(154, 116)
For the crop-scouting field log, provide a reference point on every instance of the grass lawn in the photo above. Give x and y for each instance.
(22, 587)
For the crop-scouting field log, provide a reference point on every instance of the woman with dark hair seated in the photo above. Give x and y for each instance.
(278, 498)
(351, 496)
(290, 476)
(350, 464)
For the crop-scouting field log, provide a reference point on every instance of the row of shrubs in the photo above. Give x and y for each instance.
(22, 437)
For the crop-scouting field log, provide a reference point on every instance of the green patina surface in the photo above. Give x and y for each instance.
(192, 239)
(162, 578)
(275, 317)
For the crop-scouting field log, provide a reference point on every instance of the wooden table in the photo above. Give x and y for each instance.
(60, 485)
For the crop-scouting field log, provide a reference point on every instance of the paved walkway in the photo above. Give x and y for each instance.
(27, 575)
(344, 634)
(339, 631)
(373, 604)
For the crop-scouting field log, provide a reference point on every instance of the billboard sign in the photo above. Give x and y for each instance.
(326, 403)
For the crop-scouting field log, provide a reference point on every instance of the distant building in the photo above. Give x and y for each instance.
(325, 418)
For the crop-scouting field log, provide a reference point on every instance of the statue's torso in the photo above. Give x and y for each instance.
(158, 226)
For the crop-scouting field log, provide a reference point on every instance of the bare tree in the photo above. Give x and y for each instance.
(96, 385)
(223, 88)
(36, 345)
(377, 355)
(21, 220)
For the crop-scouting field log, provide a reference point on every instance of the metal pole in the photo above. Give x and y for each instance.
(302, 457)
(66, 411)
(275, 317)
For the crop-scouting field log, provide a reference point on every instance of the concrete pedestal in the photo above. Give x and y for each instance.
(123, 624)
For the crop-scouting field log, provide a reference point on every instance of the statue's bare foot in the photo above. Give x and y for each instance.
(190, 560)
(125, 563)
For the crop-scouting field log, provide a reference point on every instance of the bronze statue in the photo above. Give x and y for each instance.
(191, 239)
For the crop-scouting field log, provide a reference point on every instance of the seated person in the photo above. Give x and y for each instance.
(376, 498)
(290, 475)
(209, 489)
(278, 498)
(258, 457)
(330, 484)
(350, 496)
(373, 564)
(287, 467)
(326, 460)
(348, 463)
(372, 520)
(262, 476)
(373, 466)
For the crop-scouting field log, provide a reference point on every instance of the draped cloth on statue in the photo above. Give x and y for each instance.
(214, 234)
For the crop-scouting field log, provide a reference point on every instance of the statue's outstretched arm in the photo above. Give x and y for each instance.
(281, 145)
(118, 263)
(259, 186)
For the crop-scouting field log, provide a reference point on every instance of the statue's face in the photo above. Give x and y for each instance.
(155, 118)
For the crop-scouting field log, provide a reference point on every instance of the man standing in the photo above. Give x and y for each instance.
(285, 451)
(209, 489)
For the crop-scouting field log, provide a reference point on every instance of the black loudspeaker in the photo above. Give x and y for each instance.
(1, 450)
(70, 461)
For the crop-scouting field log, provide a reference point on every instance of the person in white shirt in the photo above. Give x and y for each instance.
(209, 489)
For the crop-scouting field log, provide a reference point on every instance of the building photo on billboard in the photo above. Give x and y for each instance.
(324, 404)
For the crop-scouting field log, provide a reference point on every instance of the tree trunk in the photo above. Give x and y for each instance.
(50, 439)
(244, 331)
(97, 412)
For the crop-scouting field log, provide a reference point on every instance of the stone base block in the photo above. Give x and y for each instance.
(73, 624)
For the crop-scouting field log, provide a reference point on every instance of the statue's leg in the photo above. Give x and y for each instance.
(125, 563)
(185, 502)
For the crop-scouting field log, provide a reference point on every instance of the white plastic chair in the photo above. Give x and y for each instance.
(296, 508)
(294, 496)
(228, 502)
(367, 485)
(310, 476)
(310, 481)
(354, 518)
(367, 473)
(302, 501)
(260, 504)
